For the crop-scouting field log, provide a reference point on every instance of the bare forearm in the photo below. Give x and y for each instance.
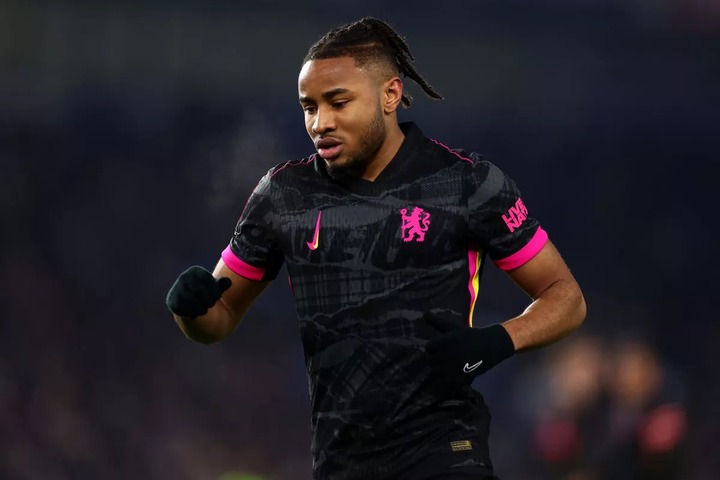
(556, 312)
(212, 327)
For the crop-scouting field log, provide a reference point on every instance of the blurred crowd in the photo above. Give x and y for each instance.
(597, 408)
(114, 183)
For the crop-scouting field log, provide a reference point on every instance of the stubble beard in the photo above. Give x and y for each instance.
(370, 142)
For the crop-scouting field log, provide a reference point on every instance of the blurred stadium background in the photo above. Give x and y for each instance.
(132, 132)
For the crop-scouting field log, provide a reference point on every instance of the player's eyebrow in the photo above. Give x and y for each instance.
(327, 95)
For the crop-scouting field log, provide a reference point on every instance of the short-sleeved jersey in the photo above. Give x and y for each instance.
(367, 261)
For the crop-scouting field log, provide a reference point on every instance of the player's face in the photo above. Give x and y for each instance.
(343, 115)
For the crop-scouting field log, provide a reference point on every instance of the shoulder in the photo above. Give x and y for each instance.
(291, 169)
(480, 169)
(475, 169)
(468, 159)
(288, 173)
(283, 174)
(474, 164)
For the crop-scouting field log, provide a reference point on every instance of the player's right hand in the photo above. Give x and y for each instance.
(195, 291)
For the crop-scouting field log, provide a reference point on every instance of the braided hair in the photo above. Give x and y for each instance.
(369, 40)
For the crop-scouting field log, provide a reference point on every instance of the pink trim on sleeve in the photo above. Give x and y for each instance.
(241, 268)
(525, 254)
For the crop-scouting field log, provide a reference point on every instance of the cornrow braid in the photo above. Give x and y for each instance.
(371, 39)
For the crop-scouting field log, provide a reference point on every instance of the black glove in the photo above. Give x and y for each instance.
(195, 291)
(462, 353)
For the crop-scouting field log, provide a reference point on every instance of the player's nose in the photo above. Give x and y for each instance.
(323, 122)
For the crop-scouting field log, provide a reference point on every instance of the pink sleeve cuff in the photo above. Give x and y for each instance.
(241, 268)
(525, 254)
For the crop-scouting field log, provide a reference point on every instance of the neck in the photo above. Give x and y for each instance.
(393, 140)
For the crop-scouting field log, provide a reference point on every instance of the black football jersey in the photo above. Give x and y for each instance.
(367, 260)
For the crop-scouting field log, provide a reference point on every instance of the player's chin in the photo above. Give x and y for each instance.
(338, 165)
(336, 161)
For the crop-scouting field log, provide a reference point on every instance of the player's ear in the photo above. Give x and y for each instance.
(392, 91)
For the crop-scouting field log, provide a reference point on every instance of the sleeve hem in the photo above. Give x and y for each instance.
(240, 267)
(526, 253)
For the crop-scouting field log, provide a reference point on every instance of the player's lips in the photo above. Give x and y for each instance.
(329, 148)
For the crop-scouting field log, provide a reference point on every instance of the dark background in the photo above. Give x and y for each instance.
(131, 134)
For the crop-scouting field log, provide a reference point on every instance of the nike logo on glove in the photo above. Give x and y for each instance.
(469, 368)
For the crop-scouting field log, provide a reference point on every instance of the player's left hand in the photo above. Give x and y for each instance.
(461, 353)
